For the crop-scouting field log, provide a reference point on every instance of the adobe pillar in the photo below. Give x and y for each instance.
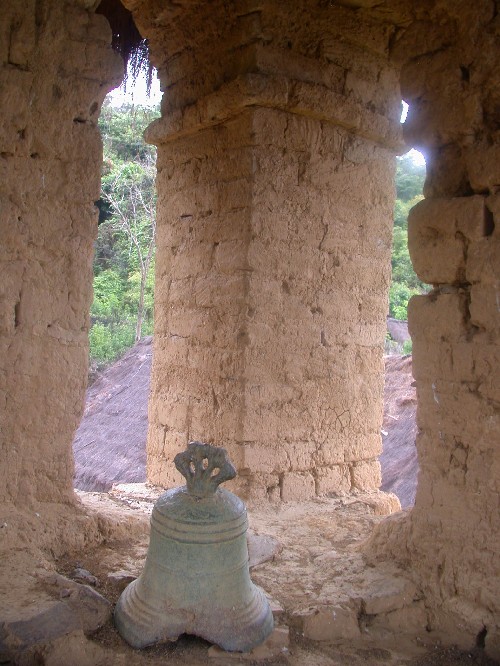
(275, 183)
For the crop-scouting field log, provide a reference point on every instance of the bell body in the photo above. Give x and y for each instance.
(196, 578)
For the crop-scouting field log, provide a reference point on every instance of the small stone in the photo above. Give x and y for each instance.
(382, 504)
(92, 608)
(82, 611)
(120, 579)
(261, 548)
(84, 576)
(53, 622)
(297, 487)
(331, 623)
(54, 578)
(276, 644)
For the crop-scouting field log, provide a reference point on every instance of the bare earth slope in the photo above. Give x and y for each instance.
(399, 456)
(110, 444)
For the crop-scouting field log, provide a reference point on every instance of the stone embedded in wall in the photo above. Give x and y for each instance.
(483, 166)
(336, 479)
(366, 475)
(296, 487)
(482, 265)
(22, 37)
(259, 487)
(444, 313)
(493, 219)
(484, 306)
(439, 231)
(412, 619)
(389, 594)
(261, 459)
(446, 172)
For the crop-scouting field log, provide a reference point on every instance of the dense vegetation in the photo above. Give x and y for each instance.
(122, 310)
(410, 178)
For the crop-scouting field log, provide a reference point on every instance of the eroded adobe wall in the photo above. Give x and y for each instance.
(316, 306)
(275, 169)
(56, 66)
(452, 84)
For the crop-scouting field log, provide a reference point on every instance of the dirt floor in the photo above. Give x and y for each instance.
(308, 557)
(331, 607)
(314, 564)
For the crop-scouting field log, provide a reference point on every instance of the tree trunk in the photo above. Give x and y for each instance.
(140, 307)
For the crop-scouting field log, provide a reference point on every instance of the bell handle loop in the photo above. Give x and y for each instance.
(204, 467)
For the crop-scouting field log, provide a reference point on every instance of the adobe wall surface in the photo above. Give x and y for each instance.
(56, 66)
(452, 537)
(273, 249)
(320, 268)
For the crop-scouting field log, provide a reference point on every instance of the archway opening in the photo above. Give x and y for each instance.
(109, 446)
(399, 457)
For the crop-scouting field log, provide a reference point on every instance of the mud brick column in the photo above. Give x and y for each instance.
(273, 252)
(450, 539)
(455, 246)
(56, 66)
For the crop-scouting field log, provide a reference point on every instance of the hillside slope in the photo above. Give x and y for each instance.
(399, 430)
(110, 444)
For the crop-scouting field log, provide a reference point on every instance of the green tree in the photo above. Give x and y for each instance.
(122, 310)
(108, 297)
(410, 178)
(131, 197)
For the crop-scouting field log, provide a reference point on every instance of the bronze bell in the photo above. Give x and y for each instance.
(196, 578)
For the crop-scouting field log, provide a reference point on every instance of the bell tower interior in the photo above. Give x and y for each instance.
(275, 178)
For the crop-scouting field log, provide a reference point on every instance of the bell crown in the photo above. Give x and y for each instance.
(204, 467)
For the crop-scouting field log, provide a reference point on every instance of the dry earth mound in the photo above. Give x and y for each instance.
(110, 444)
(399, 430)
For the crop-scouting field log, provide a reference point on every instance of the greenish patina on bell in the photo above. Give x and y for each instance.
(196, 578)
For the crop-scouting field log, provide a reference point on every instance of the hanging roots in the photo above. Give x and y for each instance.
(127, 40)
